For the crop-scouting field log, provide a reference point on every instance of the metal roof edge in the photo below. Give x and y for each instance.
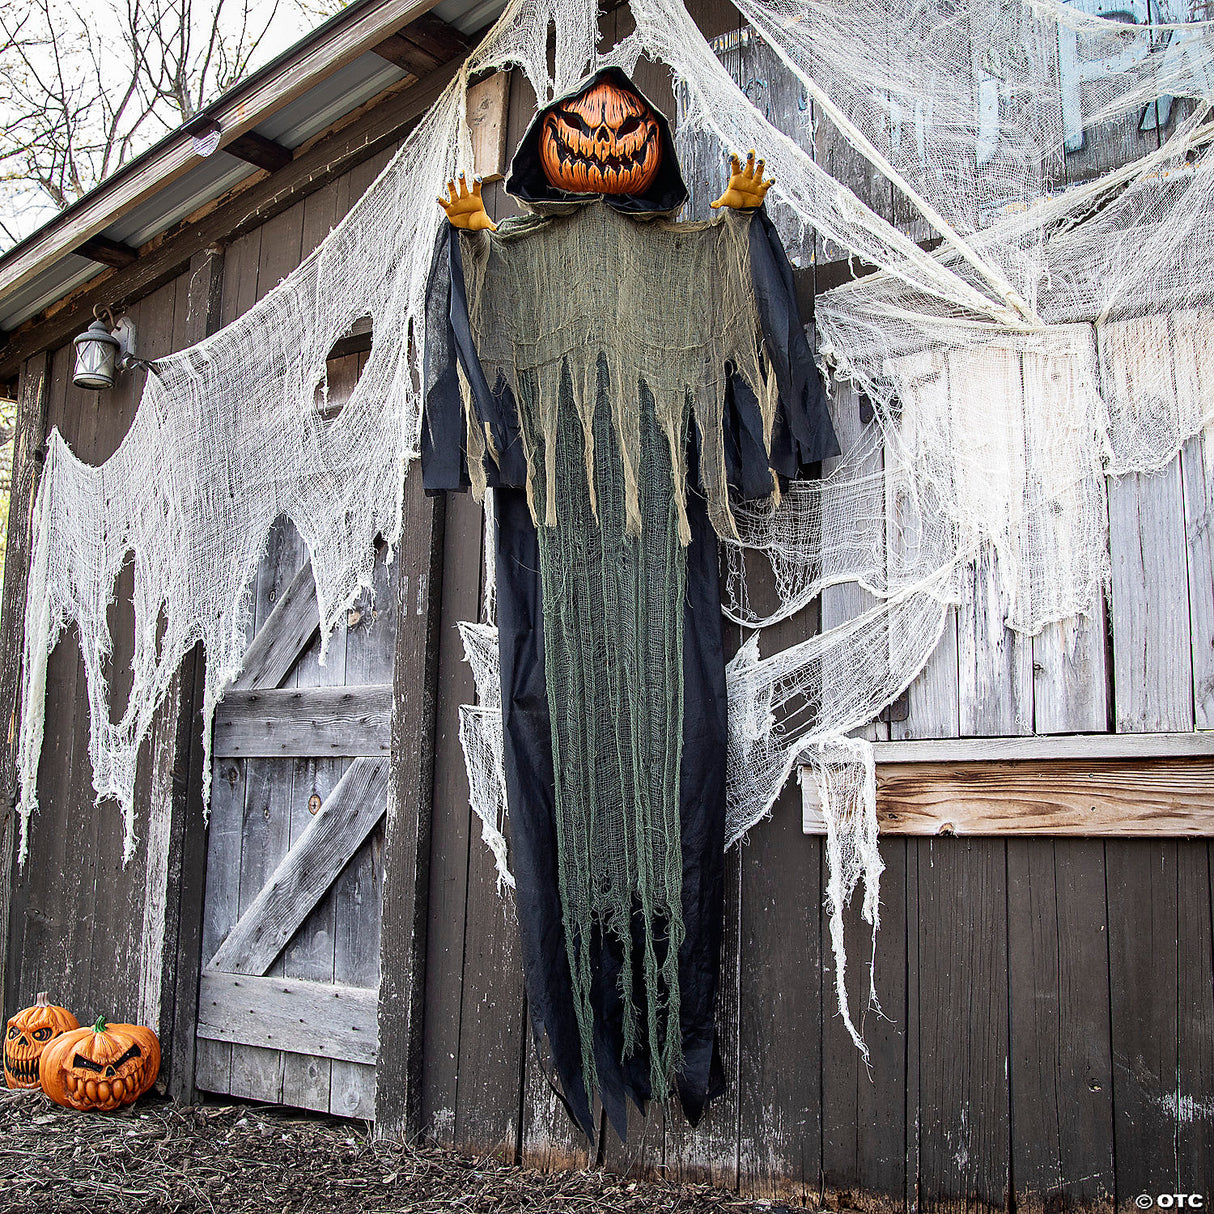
(319, 54)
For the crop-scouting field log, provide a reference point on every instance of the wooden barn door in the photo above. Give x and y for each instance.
(300, 781)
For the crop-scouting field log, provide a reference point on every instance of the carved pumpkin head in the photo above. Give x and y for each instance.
(603, 140)
(101, 1068)
(27, 1034)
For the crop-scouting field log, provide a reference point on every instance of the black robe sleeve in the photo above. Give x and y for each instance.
(443, 440)
(803, 433)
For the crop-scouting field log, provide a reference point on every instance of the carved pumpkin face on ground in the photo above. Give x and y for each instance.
(605, 140)
(27, 1035)
(101, 1068)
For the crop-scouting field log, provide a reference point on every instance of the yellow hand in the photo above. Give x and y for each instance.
(746, 185)
(464, 207)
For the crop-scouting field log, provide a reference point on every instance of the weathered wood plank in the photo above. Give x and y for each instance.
(32, 395)
(309, 954)
(1194, 1109)
(289, 1014)
(864, 1164)
(370, 645)
(1075, 746)
(1152, 652)
(1061, 1071)
(782, 1004)
(1143, 910)
(176, 792)
(304, 874)
(452, 835)
(407, 838)
(283, 637)
(487, 105)
(1151, 798)
(283, 722)
(960, 1040)
(1197, 470)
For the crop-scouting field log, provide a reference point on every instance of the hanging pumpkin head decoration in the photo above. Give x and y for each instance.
(603, 140)
(101, 1068)
(27, 1035)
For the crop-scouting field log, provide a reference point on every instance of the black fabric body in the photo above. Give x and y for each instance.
(803, 435)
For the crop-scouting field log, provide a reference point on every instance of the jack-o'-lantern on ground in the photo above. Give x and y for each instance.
(28, 1034)
(102, 1067)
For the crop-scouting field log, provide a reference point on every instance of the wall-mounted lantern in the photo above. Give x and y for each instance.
(104, 349)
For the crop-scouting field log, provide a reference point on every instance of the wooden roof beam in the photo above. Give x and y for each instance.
(107, 252)
(422, 45)
(256, 149)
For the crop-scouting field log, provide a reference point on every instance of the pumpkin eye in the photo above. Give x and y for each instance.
(133, 1052)
(42, 1034)
(12, 1032)
(574, 120)
(628, 126)
(86, 1064)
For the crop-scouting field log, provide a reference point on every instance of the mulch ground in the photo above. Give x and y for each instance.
(233, 1159)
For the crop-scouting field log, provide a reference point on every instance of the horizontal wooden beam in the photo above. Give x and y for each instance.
(1149, 798)
(107, 252)
(318, 722)
(256, 149)
(381, 124)
(315, 1018)
(312, 60)
(1049, 746)
(305, 873)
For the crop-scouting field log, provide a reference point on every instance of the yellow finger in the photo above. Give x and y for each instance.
(451, 190)
(750, 163)
(735, 166)
(476, 188)
(759, 170)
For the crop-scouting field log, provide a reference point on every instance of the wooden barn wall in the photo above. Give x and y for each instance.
(99, 935)
(102, 937)
(1048, 1037)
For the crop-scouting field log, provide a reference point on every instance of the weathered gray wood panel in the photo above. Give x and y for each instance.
(292, 721)
(322, 1019)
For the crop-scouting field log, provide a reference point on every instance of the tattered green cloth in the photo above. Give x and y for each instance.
(615, 336)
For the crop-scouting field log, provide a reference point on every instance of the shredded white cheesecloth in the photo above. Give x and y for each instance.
(1050, 337)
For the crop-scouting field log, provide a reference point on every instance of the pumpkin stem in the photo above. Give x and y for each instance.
(42, 1000)
(99, 1027)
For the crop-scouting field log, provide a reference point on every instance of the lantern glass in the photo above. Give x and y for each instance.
(96, 358)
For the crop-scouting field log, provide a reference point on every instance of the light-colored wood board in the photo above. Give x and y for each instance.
(297, 721)
(289, 1014)
(1070, 674)
(1197, 470)
(307, 870)
(281, 639)
(1053, 746)
(487, 113)
(1163, 797)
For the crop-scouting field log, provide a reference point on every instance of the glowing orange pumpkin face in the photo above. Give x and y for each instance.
(603, 141)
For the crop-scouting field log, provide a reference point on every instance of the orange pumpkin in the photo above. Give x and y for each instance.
(27, 1034)
(101, 1068)
(604, 140)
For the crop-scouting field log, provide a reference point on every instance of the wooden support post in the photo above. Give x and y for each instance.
(177, 736)
(407, 838)
(27, 464)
